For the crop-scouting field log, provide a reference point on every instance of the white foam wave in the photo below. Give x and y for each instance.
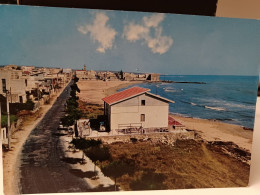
(234, 105)
(193, 104)
(169, 89)
(226, 104)
(215, 108)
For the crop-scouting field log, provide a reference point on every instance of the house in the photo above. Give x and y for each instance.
(136, 108)
(13, 83)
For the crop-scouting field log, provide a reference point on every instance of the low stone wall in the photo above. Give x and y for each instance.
(165, 137)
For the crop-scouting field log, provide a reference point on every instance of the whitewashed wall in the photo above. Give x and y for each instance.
(129, 112)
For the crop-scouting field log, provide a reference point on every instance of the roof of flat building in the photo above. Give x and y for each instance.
(129, 93)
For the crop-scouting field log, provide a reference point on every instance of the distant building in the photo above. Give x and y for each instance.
(67, 70)
(153, 77)
(13, 83)
(140, 77)
(27, 68)
(136, 108)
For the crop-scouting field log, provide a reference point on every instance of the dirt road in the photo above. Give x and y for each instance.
(41, 167)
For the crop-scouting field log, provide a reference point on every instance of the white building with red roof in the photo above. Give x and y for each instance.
(136, 108)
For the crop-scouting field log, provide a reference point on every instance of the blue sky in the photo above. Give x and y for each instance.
(131, 41)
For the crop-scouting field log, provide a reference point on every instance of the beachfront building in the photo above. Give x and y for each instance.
(136, 108)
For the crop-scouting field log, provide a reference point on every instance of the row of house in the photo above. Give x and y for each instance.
(111, 76)
(22, 83)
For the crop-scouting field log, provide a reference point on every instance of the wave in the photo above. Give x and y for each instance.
(243, 106)
(193, 104)
(169, 89)
(215, 108)
(226, 104)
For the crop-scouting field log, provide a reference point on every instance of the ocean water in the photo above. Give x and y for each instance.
(230, 99)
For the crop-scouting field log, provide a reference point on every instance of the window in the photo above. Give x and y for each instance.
(4, 85)
(26, 82)
(143, 102)
(142, 117)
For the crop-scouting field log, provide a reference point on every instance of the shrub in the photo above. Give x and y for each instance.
(133, 140)
(97, 153)
(118, 168)
(149, 181)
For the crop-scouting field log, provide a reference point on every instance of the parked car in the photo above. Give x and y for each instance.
(102, 126)
(62, 127)
(71, 129)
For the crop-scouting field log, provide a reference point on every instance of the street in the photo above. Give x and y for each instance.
(42, 169)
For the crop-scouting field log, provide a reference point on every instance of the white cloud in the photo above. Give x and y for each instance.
(155, 41)
(154, 20)
(134, 32)
(100, 31)
(159, 44)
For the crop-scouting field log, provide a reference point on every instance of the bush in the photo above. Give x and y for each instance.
(149, 181)
(97, 153)
(13, 118)
(83, 144)
(118, 168)
(133, 140)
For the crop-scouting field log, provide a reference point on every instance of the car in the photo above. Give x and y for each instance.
(71, 130)
(62, 127)
(102, 126)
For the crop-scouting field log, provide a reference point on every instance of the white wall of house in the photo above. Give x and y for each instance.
(27, 68)
(15, 82)
(129, 112)
(31, 82)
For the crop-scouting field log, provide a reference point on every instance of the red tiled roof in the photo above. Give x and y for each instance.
(131, 92)
(173, 122)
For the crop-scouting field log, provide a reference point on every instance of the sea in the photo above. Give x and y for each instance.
(230, 99)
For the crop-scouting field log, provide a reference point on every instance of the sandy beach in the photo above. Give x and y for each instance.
(209, 130)
(212, 130)
(93, 91)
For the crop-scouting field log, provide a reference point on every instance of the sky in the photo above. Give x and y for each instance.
(129, 41)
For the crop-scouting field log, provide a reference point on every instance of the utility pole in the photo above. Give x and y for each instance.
(0, 118)
(8, 121)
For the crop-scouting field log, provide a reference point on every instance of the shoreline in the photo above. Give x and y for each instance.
(211, 130)
(214, 120)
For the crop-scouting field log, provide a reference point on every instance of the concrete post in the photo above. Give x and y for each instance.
(8, 122)
(0, 117)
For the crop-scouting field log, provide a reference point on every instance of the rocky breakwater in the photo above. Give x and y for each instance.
(231, 149)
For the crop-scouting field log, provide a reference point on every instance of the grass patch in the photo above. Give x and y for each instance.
(13, 118)
(188, 164)
(90, 111)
